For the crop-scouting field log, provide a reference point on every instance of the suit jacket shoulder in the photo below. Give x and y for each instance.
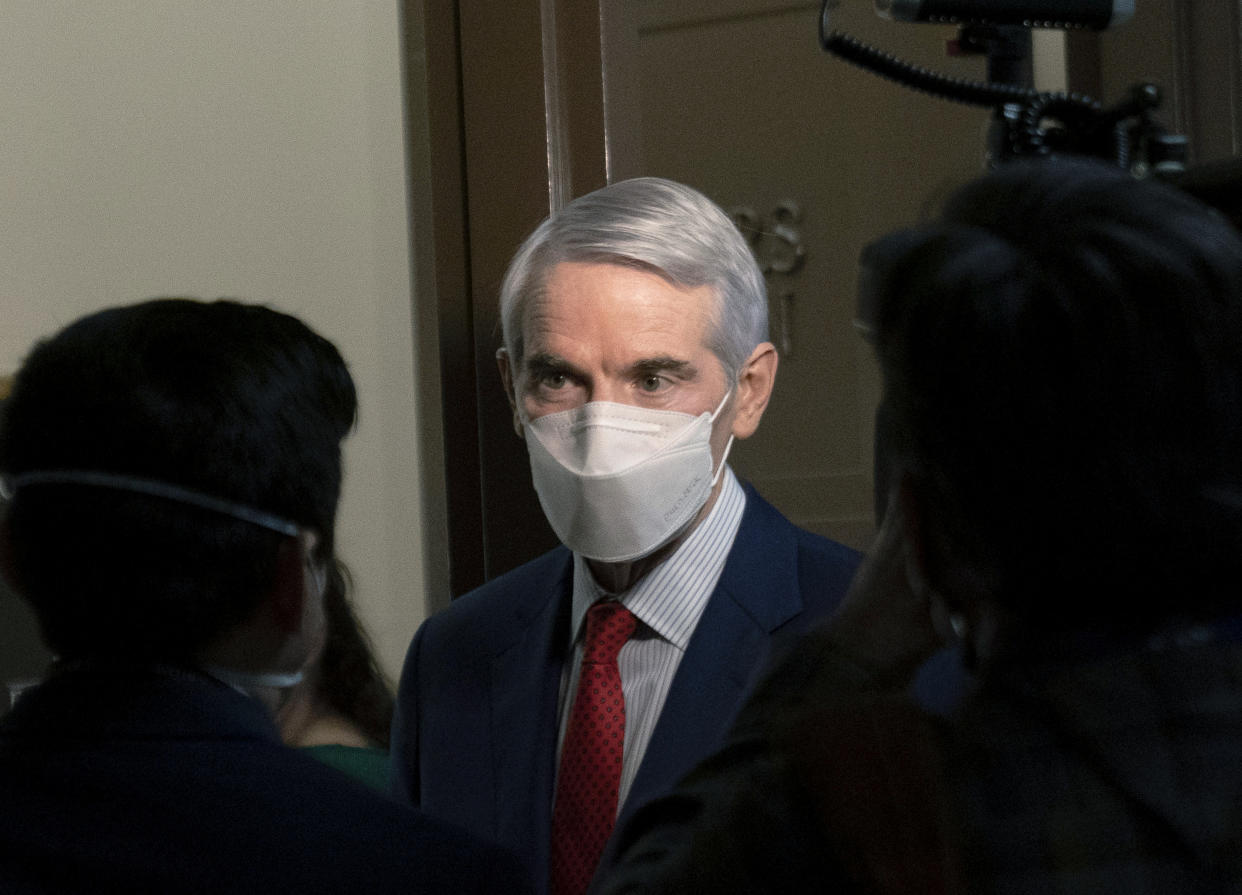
(475, 732)
(151, 782)
(493, 615)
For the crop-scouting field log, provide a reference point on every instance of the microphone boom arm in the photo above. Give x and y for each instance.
(1032, 122)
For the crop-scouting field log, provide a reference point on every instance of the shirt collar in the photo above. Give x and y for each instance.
(670, 598)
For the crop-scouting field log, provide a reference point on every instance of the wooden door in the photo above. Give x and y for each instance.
(815, 158)
(529, 103)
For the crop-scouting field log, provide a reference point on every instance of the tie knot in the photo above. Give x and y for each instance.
(608, 626)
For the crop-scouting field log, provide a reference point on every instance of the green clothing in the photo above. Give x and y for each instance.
(364, 763)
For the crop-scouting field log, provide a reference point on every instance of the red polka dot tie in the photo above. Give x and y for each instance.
(590, 773)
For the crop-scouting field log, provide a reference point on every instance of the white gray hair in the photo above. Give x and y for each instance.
(656, 224)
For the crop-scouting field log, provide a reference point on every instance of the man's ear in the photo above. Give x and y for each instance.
(754, 389)
(506, 377)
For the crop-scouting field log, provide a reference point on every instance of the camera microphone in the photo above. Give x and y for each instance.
(1094, 14)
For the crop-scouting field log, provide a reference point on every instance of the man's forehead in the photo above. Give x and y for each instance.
(629, 298)
(549, 345)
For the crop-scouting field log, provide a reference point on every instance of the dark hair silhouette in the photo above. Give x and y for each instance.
(1062, 358)
(348, 678)
(237, 402)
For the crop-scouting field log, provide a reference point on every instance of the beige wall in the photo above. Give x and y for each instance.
(228, 148)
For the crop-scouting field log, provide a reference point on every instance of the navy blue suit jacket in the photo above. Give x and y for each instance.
(127, 780)
(474, 740)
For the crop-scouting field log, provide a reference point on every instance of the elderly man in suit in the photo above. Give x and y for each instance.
(569, 691)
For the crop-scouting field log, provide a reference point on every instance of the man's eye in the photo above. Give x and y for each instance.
(553, 380)
(651, 383)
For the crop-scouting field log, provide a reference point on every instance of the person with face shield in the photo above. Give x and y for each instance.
(173, 469)
(542, 706)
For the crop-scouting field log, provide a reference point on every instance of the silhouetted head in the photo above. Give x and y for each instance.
(239, 405)
(1062, 362)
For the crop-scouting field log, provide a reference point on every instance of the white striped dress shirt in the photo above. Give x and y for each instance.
(668, 602)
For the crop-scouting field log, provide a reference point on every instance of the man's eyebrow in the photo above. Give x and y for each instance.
(663, 364)
(543, 363)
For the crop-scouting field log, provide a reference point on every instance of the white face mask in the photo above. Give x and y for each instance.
(618, 482)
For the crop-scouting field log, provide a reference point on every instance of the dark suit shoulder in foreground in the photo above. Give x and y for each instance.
(170, 782)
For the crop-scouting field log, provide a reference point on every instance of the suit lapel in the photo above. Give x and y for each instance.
(525, 685)
(757, 593)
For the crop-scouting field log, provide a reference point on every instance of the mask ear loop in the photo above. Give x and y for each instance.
(723, 458)
(10, 485)
(246, 681)
(723, 401)
(729, 444)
